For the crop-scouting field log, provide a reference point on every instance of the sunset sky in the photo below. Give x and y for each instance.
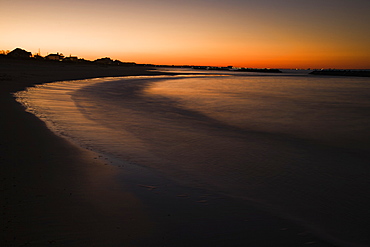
(242, 33)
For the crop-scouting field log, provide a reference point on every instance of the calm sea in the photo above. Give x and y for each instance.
(298, 145)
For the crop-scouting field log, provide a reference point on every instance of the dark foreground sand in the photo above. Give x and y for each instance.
(54, 193)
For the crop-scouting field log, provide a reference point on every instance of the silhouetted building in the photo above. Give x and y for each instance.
(19, 53)
(55, 57)
(38, 57)
(70, 59)
(104, 61)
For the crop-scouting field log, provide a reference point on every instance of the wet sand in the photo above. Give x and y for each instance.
(54, 193)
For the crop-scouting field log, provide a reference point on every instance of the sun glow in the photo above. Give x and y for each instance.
(195, 32)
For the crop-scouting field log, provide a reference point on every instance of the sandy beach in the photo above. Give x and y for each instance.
(54, 193)
(47, 184)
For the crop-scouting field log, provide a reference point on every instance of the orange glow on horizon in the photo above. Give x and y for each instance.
(167, 32)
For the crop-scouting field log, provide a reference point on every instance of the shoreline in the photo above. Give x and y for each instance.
(52, 189)
(55, 193)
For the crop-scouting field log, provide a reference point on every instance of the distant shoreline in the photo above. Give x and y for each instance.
(17, 74)
(20, 54)
(359, 73)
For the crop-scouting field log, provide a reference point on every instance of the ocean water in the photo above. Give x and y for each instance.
(296, 145)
